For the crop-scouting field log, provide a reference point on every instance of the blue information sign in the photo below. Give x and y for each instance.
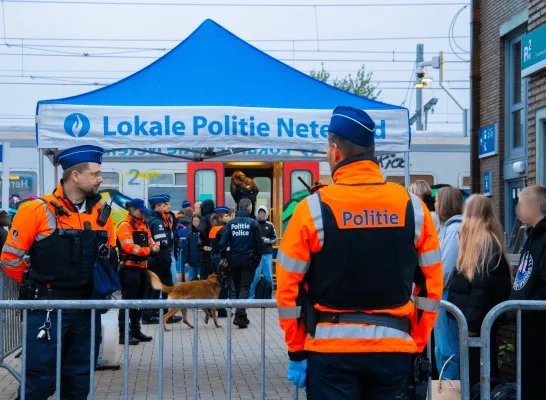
(487, 183)
(487, 145)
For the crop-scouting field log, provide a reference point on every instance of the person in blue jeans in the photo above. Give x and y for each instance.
(449, 207)
(269, 237)
(192, 252)
(183, 228)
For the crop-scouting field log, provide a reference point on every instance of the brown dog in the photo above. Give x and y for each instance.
(194, 290)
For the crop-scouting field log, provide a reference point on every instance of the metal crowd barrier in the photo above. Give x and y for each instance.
(10, 324)
(485, 334)
(60, 305)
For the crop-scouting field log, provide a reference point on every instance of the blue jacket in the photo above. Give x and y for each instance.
(449, 246)
(243, 237)
(192, 250)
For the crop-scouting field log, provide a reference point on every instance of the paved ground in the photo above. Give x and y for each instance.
(177, 370)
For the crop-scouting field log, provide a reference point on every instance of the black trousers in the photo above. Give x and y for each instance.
(533, 354)
(242, 276)
(206, 268)
(163, 270)
(357, 376)
(134, 285)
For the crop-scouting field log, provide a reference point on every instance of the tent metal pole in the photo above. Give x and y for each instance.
(5, 175)
(406, 169)
(41, 173)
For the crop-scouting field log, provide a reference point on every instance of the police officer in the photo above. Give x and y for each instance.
(345, 270)
(160, 262)
(135, 244)
(243, 237)
(62, 234)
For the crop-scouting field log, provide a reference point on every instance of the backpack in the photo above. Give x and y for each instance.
(183, 233)
(263, 290)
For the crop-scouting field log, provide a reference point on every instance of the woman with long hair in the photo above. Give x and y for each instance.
(483, 276)
(449, 207)
(422, 190)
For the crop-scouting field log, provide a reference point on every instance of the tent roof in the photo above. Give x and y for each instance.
(213, 67)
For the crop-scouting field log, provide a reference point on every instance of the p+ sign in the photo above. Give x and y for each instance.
(487, 137)
(533, 51)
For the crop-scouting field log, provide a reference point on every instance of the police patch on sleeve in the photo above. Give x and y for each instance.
(524, 271)
(14, 232)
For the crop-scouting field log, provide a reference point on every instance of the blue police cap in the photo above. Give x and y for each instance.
(158, 199)
(354, 125)
(138, 204)
(81, 154)
(186, 204)
(221, 210)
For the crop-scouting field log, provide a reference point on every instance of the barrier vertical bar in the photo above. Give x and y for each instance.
(228, 356)
(518, 355)
(161, 343)
(262, 351)
(59, 353)
(195, 359)
(429, 355)
(24, 356)
(92, 356)
(126, 357)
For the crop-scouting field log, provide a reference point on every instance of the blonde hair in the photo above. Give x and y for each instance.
(420, 188)
(450, 203)
(536, 193)
(480, 236)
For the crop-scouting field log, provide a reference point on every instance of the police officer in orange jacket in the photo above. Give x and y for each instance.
(345, 270)
(135, 244)
(62, 233)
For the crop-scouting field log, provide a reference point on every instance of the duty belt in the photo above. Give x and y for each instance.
(401, 323)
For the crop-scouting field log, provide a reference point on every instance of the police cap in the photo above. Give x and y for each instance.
(159, 199)
(221, 210)
(81, 154)
(186, 204)
(354, 125)
(138, 204)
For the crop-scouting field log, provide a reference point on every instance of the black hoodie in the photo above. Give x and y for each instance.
(530, 282)
(205, 225)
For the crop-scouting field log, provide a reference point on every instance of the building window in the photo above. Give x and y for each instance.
(205, 185)
(175, 184)
(516, 101)
(295, 183)
(21, 185)
(401, 180)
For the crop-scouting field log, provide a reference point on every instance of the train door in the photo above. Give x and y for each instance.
(205, 181)
(293, 189)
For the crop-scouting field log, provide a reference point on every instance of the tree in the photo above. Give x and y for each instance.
(360, 85)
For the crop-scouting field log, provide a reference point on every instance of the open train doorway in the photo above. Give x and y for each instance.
(261, 173)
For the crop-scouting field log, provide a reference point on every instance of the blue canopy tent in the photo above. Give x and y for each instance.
(213, 95)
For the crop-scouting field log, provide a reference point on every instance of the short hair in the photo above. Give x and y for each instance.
(3, 213)
(349, 149)
(450, 203)
(536, 193)
(245, 204)
(80, 168)
(231, 211)
(196, 215)
(188, 212)
(420, 188)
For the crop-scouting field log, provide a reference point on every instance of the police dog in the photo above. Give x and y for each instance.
(194, 290)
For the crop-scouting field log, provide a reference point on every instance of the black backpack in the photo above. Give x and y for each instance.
(264, 289)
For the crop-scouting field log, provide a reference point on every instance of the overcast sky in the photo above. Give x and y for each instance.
(52, 49)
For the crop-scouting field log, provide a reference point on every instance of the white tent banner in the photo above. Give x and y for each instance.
(63, 126)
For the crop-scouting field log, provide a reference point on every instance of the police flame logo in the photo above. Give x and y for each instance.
(77, 125)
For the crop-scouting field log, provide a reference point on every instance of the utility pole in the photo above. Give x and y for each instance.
(419, 95)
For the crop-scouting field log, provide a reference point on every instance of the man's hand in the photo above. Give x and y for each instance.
(155, 248)
(265, 240)
(297, 373)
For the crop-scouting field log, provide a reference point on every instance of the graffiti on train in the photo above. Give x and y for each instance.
(391, 161)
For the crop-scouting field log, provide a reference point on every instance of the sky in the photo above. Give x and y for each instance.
(59, 48)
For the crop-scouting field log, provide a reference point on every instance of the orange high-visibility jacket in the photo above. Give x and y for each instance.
(360, 244)
(135, 253)
(49, 236)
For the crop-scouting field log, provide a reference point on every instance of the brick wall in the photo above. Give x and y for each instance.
(536, 88)
(493, 14)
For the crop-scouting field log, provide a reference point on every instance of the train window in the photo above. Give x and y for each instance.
(21, 185)
(173, 184)
(264, 196)
(110, 180)
(295, 184)
(205, 185)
